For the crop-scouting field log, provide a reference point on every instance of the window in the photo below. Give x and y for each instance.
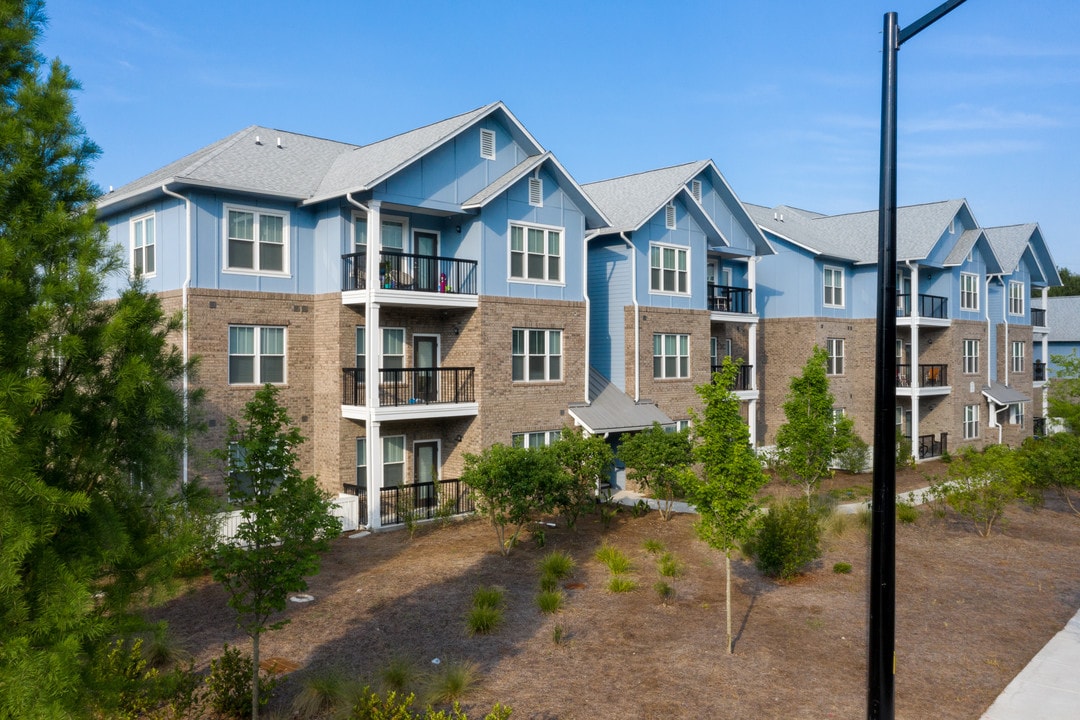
(671, 356)
(393, 348)
(1016, 414)
(487, 144)
(668, 266)
(1016, 298)
(971, 356)
(535, 253)
(143, 243)
(714, 352)
(838, 414)
(971, 422)
(255, 241)
(361, 463)
(393, 459)
(534, 439)
(835, 347)
(834, 287)
(669, 216)
(536, 355)
(1018, 357)
(695, 189)
(969, 291)
(536, 192)
(361, 347)
(256, 355)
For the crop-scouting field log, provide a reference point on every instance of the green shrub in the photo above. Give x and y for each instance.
(324, 692)
(665, 591)
(670, 566)
(854, 456)
(488, 596)
(903, 451)
(550, 601)
(483, 619)
(398, 675)
(558, 564)
(229, 683)
(549, 583)
(451, 682)
(653, 546)
(613, 558)
(641, 508)
(621, 584)
(842, 568)
(786, 539)
(558, 633)
(906, 512)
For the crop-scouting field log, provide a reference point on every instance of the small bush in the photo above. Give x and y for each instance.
(549, 583)
(607, 514)
(451, 682)
(842, 568)
(641, 508)
(557, 563)
(854, 456)
(558, 633)
(488, 596)
(665, 591)
(903, 452)
(398, 675)
(483, 619)
(621, 584)
(787, 539)
(653, 546)
(670, 566)
(229, 683)
(324, 692)
(906, 513)
(614, 559)
(539, 537)
(550, 601)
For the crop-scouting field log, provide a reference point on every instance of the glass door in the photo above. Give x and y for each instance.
(425, 364)
(426, 268)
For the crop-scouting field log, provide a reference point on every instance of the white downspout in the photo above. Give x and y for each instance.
(988, 327)
(637, 317)
(751, 341)
(1007, 349)
(184, 326)
(588, 309)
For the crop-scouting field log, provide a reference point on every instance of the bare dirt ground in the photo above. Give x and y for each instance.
(971, 612)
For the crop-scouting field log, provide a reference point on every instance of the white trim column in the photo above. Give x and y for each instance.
(374, 474)
(1045, 342)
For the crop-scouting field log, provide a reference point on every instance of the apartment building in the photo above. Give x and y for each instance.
(965, 328)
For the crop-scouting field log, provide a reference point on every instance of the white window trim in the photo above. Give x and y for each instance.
(835, 359)
(972, 357)
(257, 355)
(361, 462)
(547, 355)
(561, 282)
(522, 439)
(971, 420)
(487, 139)
(404, 349)
(664, 356)
(1016, 414)
(835, 272)
(385, 462)
(974, 279)
(678, 249)
(1017, 359)
(141, 219)
(286, 237)
(1016, 298)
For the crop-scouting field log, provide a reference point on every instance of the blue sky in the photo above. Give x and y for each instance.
(784, 96)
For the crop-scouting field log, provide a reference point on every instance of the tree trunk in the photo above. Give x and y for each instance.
(727, 602)
(255, 676)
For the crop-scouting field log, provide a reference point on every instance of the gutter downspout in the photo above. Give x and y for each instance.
(637, 317)
(184, 327)
(588, 308)
(1006, 348)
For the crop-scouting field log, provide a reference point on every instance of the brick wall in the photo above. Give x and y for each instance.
(673, 396)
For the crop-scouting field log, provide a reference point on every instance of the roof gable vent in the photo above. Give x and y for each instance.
(487, 144)
(669, 216)
(536, 192)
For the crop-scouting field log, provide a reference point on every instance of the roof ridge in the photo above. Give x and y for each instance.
(648, 172)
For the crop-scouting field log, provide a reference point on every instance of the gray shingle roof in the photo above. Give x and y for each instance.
(1063, 318)
(1004, 395)
(629, 201)
(612, 410)
(1010, 242)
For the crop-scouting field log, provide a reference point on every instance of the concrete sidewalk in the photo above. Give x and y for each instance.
(1048, 688)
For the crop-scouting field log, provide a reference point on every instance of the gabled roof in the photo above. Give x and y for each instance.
(1012, 241)
(611, 410)
(630, 201)
(964, 245)
(1063, 318)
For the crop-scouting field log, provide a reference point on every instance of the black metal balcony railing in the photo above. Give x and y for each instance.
(930, 446)
(1038, 371)
(930, 306)
(1038, 317)
(408, 271)
(725, 298)
(411, 386)
(422, 500)
(1038, 426)
(936, 375)
(744, 380)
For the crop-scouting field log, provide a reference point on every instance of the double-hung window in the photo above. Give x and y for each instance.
(361, 348)
(834, 287)
(1018, 357)
(969, 291)
(1016, 414)
(393, 348)
(256, 355)
(1016, 298)
(971, 422)
(361, 463)
(535, 253)
(835, 347)
(393, 449)
(255, 240)
(143, 245)
(534, 439)
(536, 355)
(671, 356)
(971, 356)
(669, 269)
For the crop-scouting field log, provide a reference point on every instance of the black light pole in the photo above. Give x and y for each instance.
(882, 618)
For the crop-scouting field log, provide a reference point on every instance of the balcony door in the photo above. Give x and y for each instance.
(426, 362)
(426, 472)
(426, 267)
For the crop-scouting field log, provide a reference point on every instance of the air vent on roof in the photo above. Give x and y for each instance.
(695, 189)
(487, 144)
(279, 142)
(669, 216)
(536, 192)
(258, 141)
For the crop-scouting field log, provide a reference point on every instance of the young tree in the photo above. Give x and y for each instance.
(285, 521)
(1054, 464)
(587, 461)
(808, 441)
(511, 485)
(1064, 393)
(981, 485)
(658, 460)
(90, 416)
(732, 473)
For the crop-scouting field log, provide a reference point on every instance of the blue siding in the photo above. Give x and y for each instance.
(687, 234)
(722, 208)
(170, 224)
(788, 283)
(610, 292)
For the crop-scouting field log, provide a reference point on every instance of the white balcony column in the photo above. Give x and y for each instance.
(1045, 342)
(372, 334)
(751, 416)
(751, 282)
(374, 473)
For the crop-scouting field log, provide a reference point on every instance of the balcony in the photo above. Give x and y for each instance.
(421, 500)
(932, 379)
(408, 278)
(744, 380)
(930, 446)
(1038, 317)
(410, 392)
(728, 299)
(930, 307)
(1038, 371)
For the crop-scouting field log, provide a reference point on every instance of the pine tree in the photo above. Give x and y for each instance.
(90, 417)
